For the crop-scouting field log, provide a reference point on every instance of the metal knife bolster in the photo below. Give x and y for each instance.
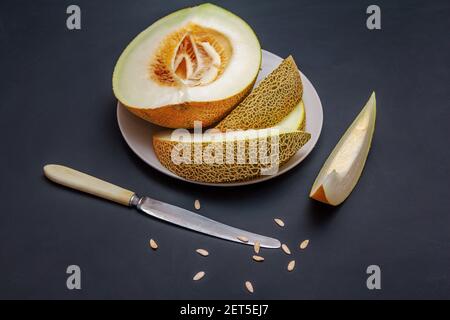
(134, 201)
(199, 223)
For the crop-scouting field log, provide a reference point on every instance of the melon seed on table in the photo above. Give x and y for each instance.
(153, 244)
(257, 258)
(202, 252)
(279, 222)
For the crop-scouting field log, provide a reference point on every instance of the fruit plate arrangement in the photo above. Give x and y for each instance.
(138, 133)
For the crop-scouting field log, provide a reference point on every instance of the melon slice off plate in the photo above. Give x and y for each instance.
(341, 172)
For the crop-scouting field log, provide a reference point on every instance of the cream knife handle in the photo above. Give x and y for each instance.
(83, 182)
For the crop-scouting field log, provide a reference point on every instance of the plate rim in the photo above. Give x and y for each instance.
(259, 179)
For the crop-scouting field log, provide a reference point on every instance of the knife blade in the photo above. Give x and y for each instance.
(187, 219)
(199, 223)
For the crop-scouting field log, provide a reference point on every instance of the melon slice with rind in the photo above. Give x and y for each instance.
(272, 100)
(285, 133)
(241, 167)
(342, 170)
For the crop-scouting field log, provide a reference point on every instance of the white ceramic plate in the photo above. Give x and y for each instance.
(138, 133)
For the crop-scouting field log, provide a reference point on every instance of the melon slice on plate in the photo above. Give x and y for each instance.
(195, 64)
(295, 119)
(344, 166)
(272, 100)
(218, 157)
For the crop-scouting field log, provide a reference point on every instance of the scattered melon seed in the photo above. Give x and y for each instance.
(257, 246)
(279, 222)
(202, 252)
(153, 244)
(285, 249)
(249, 286)
(198, 275)
(258, 258)
(197, 204)
(291, 265)
(304, 244)
(243, 239)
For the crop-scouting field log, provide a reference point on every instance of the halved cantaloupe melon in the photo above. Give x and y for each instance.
(195, 64)
(344, 166)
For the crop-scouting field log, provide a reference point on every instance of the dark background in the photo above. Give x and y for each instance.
(57, 106)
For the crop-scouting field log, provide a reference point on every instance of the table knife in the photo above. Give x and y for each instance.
(83, 182)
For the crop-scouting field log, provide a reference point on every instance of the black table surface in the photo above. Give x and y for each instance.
(57, 106)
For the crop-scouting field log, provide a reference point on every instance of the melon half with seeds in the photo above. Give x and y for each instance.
(195, 64)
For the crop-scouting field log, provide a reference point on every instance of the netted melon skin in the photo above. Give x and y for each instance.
(289, 144)
(272, 100)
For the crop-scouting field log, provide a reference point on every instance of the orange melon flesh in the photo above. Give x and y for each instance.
(195, 64)
(342, 170)
(319, 195)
